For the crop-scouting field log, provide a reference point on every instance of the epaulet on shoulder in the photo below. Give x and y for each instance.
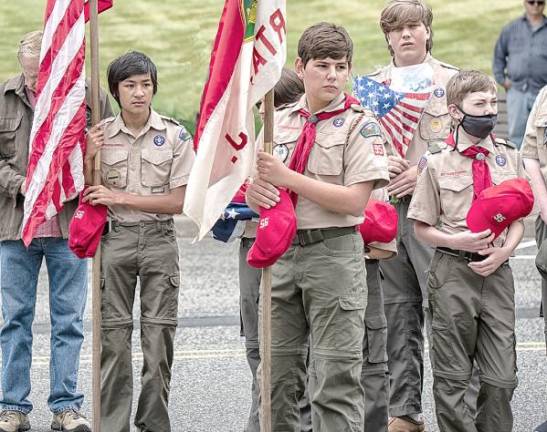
(448, 66)
(106, 121)
(357, 108)
(171, 120)
(376, 72)
(285, 106)
(501, 141)
(436, 147)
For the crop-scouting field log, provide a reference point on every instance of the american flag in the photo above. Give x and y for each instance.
(232, 223)
(398, 113)
(55, 169)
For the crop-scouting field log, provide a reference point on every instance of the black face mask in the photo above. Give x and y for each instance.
(478, 126)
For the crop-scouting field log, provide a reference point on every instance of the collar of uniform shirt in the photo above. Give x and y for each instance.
(333, 106)
(463, 142)
(154, 122)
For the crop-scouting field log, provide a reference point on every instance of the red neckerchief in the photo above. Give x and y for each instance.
(306, 140)
(481, 171)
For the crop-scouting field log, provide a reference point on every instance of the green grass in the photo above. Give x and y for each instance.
(177, 34)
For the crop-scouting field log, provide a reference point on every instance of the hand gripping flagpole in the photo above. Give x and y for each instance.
(96, 288)
(266, 297)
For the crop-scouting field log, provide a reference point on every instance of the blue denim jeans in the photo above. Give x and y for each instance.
(67, 296)
(519, 105)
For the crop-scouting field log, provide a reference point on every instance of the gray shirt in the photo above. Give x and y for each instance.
(521, 55)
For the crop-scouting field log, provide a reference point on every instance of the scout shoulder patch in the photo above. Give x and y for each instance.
(370, 129)
(422, 164)
(184, 135)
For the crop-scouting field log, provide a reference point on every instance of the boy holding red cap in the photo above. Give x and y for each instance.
(470, 283)
(335, 156)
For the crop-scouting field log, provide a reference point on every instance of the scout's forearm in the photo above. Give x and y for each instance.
(10, 180)
(432, 236)
(533, 169)
(514, 236)
(336, 198)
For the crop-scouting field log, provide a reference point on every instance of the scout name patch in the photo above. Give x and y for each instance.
(500, 160)
(159, 140)
(371, 129)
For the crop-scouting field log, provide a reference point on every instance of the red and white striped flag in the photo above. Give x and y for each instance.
(246, 62)
(398, 112)
(55, 169)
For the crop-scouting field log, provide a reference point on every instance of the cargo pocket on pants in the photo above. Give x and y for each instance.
(349, 330)
(377, 339)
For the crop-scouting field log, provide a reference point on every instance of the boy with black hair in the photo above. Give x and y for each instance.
(146, 161)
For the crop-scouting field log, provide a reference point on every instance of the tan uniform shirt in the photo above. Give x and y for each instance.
(534, 145)
(349, 149)
(155, 161)
(444, 191)
(434, 125)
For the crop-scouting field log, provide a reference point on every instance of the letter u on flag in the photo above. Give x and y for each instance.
(55, 169)
(248, 55)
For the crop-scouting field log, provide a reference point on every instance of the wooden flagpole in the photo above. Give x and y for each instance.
(266, 297)
(96, 275)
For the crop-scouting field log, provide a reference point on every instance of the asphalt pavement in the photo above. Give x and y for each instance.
(210, 389)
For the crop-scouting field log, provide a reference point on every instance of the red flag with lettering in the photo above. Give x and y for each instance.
(246, 62)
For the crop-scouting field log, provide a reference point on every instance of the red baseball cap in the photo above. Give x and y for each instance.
(498, 206)
(86, 228)
(380, 223)
(274, 234)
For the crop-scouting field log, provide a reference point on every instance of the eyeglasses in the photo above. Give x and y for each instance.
(537, 3)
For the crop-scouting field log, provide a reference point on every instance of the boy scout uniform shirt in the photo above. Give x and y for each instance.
(534, 145)
(444, 192)
(348, 149)
(156, 161)
(434, 125)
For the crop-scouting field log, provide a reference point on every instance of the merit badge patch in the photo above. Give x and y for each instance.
(501, 160)
(184, 135)
(281, 151)
(338, 122)
(159, 140)
(371, 129)
(422, 164)
(378, 149)
(439, 92)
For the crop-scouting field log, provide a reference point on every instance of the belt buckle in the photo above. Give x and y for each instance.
(309, 237)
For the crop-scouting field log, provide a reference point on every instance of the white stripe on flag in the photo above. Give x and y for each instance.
(56, 16)
(65, 57)
(70, 107)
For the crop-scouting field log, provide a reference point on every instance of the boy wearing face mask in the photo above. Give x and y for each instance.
(470, 283)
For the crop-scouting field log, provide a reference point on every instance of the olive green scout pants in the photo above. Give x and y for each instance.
(405, 297)
(319, 294)
(375, 376)
(147, 250)
(473, 318)
(249, 294)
